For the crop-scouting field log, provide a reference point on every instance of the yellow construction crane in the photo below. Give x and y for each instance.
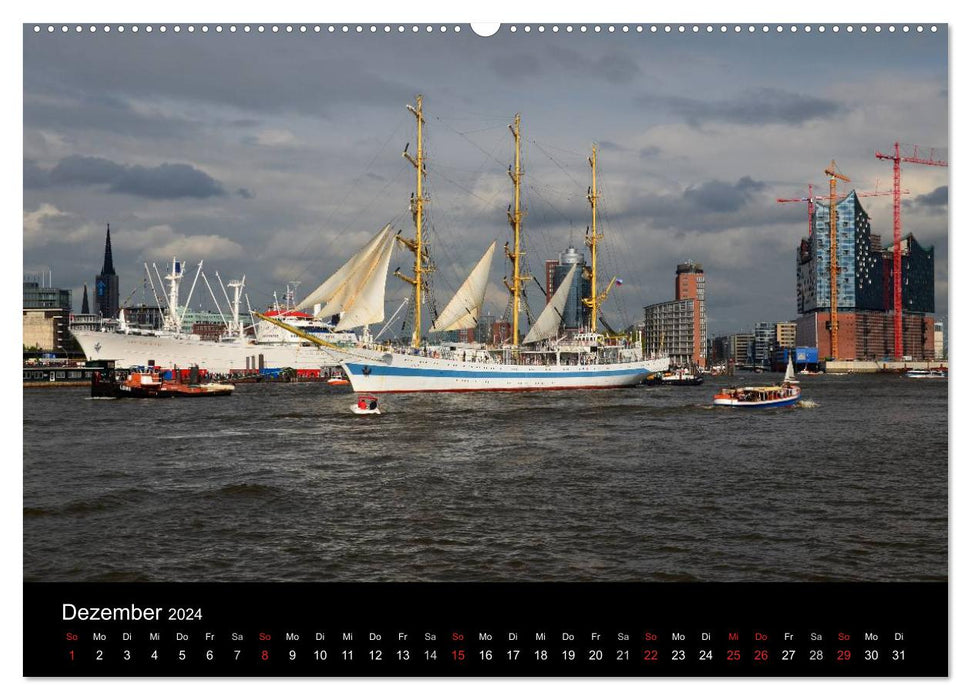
(833, 175)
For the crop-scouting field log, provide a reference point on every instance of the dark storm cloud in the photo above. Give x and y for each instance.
(165, 181)
(650, 152)
(615, 67)
(35, 177)
(244, 193)
(719, 196)
(610, 146)
(85, 170)
(752, 107)
(64, 108)
(517, 66)
(262, 74)
(706, 207)
(937, 198)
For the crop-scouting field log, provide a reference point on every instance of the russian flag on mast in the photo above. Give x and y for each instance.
(619, 281)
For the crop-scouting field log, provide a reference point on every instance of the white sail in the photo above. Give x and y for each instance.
(357, 278)
(464, 308)
(790, 372)
(366, 302)
(548, 323)
(337, 281)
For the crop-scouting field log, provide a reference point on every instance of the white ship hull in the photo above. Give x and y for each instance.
(132, 350)
(381, 372)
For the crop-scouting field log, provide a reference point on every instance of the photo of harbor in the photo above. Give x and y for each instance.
(529, 307)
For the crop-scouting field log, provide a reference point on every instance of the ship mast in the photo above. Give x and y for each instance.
(592, 238)
(516, 217)
(595, 299)
(417, 206)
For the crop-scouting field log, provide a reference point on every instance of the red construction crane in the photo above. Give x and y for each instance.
(812, 201)
(898, 316)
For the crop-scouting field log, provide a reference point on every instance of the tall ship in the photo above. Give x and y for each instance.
(239, 347)
(542, 360)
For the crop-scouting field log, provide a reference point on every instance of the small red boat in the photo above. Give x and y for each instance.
(366, 405)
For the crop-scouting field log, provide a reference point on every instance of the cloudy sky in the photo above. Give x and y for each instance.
(276, 155)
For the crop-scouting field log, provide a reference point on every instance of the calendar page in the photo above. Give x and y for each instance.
(515, 350)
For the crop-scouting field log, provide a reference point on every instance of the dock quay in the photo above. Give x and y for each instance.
(876, 366)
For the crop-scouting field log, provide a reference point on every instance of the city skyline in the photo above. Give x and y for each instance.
(277, 168)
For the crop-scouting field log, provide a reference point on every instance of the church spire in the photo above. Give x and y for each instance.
(108, 268)
(106, 284)
(84, 301)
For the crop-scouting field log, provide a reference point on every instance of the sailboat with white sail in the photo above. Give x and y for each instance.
(541, 361)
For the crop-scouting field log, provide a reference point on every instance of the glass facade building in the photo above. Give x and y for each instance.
(763, 336)
(917, 290)
(860, 264)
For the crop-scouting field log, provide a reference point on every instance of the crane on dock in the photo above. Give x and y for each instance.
(897, 158)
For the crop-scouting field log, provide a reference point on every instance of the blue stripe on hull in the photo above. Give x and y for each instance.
(380, 370)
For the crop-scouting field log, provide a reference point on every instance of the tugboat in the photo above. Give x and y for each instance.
(151, 385)
(681, 377)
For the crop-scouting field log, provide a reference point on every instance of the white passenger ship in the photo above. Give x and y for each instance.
(263, 344)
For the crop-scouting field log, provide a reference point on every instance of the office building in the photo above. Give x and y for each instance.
(679, 328)
(46, 315)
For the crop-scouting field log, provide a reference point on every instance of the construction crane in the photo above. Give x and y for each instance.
(812, 202)
(834, 343)
(898, 316)
(812, 199)
(834, 269)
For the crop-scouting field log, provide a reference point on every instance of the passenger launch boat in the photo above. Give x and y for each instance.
(758, 396)
(786, 394)
(542, 360)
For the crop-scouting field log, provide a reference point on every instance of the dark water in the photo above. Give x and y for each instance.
(283, 483)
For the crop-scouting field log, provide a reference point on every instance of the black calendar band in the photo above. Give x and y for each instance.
(486, 629)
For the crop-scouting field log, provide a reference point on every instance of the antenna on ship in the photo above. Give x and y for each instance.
(417, 208)
(516, 217)
(291, 294)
